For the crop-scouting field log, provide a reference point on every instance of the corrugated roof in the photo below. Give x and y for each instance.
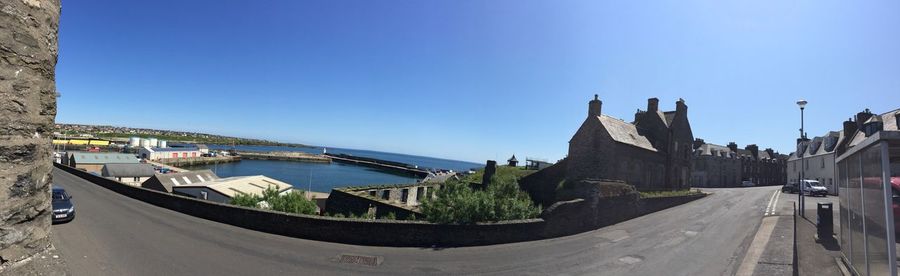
(170, 180)
(128, 170)
(624, 132)
(104, 158)
(232, 186)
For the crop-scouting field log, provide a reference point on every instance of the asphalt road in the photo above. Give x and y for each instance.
(116, 235)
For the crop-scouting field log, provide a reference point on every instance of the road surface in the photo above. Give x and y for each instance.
(116, 235)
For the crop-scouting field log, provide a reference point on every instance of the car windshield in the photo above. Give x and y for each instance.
(59, 196)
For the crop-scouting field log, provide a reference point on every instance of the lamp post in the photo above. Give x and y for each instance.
(802, 104)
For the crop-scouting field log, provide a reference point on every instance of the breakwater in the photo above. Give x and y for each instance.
(195, 161)
(284, 156)
(378, 163)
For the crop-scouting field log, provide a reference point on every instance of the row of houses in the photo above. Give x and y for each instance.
(729, 166)
(815, 158)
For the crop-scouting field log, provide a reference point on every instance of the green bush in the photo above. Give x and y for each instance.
(290, 202)
(456, 202)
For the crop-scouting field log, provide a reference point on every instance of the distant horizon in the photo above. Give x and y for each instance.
(308, 145)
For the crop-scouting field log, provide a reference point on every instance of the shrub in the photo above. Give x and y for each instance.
(456, 202)
(290, 202)
(390, 215)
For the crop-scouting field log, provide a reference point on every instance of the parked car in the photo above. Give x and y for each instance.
(813, 188)
(63, 209)
(790, 188)
(747, 183)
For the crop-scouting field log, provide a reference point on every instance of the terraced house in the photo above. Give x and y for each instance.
(730, 166)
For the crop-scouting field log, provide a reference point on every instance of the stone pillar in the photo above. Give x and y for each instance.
(489, 169)
(28, 47)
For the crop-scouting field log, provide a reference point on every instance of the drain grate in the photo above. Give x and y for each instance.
(360, 259)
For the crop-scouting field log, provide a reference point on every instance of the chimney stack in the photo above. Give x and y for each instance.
(594, 106)
(849, 128)
(698, 142)
(754, 150)
(733, 147)
(680, 107)
(861, 119)
(652, 105)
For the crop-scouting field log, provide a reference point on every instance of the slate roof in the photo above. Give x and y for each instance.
(713, 150)
(128, 170)
(889, 124)
(82, 158)
(670, 115)
(625, 133)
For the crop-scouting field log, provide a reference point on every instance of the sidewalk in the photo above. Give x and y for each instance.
(813, 258)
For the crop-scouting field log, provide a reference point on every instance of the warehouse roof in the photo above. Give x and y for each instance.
(104, 158)
(185, 178)
(247, 185)
(128, 170)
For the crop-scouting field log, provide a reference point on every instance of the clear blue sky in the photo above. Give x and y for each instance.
(473, 80)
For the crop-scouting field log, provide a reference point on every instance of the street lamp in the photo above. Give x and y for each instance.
(802, 104)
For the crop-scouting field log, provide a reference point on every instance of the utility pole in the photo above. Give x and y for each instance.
(802, 104)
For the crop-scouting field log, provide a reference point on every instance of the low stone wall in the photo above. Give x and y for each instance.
(342, 230)
(650, 205)
(571, 217)
(343, 202)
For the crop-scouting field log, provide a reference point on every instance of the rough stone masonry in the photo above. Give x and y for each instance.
(28, 52)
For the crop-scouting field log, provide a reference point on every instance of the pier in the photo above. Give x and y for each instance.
(284, 156)
(378, 163)
(192, 161)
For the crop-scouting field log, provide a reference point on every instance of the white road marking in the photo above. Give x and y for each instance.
(771, 202)
(754, 252)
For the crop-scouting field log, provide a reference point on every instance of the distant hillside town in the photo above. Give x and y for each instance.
(118, 132)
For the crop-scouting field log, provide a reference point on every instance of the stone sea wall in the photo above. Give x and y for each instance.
(28, 53)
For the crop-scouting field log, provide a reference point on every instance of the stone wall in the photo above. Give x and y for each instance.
(28, 52)
(541, 186)
(564, 218)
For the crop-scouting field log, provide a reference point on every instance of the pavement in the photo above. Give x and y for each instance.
(117, 235)
(814, 257)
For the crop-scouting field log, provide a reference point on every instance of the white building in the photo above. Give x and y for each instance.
(166, 153)
(223, 189)
(818, 161)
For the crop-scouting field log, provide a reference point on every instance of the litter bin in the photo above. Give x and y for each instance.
(825, 220)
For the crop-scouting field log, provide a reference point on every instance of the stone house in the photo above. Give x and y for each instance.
(728, 166)
(651, 153)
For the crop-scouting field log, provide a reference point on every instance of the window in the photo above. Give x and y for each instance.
(174, 155)
(403, 195)
(823, 162)
(203, 194)
(184, 154)
(386, 194)
(137, 179)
